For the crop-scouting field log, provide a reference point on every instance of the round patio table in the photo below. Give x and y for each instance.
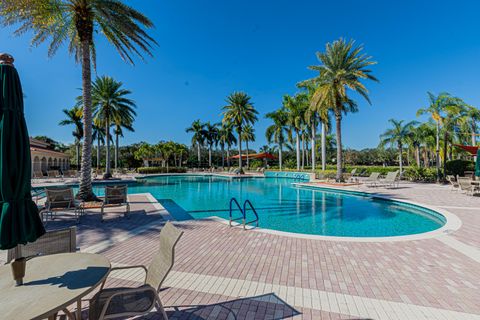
(51, 284)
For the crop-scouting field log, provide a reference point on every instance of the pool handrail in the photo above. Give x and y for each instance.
(245, 214)
(234, 200)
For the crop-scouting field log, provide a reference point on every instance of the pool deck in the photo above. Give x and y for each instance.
(229, 273)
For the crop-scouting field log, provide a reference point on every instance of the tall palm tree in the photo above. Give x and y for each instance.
(76, 22)
(296, 107)
(118, 132)
(211, 137)
(239, 112)
(436, 110)
(198, 138)
(399, 135)
(99, 135)
(343, 66)
(279, 131)
(226, 138)
(248, 135)
(111, 105)
(74, 116)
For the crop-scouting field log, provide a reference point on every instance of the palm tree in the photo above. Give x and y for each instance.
(436, 109)
(198, 130)
(99, 135)
(211, 137)
(279, 131)
(111, 106)
(76, 22)
(296, 107)
(239, 112)
(399, 135)
(248, 135)
(343, 67)
(118, 132)
(226, 138)
(74, 116)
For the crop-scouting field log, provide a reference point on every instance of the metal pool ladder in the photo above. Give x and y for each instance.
(243, 211)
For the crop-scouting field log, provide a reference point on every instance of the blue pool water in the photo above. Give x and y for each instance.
(282, 206)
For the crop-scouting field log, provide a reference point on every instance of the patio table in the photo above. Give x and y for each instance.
(51, 284)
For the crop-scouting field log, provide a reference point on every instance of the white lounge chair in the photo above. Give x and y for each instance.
(373, 179)
(391, 180)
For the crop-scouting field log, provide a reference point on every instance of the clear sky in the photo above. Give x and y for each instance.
(207, 49)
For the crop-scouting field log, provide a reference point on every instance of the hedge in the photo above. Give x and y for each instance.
(458, 167)
(149, 170)
(420, 174)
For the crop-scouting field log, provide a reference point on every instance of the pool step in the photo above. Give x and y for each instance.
(243, 211)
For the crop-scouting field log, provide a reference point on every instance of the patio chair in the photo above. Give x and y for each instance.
(61, 199)
(53, 174)
(352, 175)
(466, 185)
(453, 183)
(126, 302)
(52, 242)
(373, 179)
(116, 195)
(37, 175)
(391, 179)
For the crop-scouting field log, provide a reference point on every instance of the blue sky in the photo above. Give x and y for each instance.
(207, 49)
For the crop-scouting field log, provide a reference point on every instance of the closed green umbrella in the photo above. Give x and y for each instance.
(477, 164)
(19, 219)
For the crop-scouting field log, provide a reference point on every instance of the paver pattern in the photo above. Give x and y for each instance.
(229, 273)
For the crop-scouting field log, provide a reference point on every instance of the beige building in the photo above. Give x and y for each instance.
(44, 158)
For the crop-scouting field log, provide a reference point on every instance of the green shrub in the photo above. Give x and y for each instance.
(458, 167)
(420, 174)
(326, 174)
(150, 170)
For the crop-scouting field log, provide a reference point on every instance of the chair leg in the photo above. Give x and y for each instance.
(161, 309)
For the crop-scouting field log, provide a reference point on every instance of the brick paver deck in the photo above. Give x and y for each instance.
(229, 273)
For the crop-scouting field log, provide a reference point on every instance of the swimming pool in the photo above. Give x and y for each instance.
(284, 207)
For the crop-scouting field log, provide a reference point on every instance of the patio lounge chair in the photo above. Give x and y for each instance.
(391, 180)
(116, 196)
(453, 183)
(61, 199)
(373, 179)
(466, 185)
(37, 174)
(52, 242)
(125, 302)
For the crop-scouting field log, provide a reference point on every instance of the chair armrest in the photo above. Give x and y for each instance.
(125, 268)
(125, 291)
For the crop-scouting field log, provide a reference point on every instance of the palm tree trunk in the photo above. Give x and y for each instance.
(313, 145)
(228, 156)
(400, 160)
(248, 160)
(85, 191)
(116, 150)
(426, 161)
(474, 136)
(210, 155)
(280, 155)
(77, 150)
(298, 148)
(417, 155)
(223, 156)
(324, 147)
(240, 151)
(107, 174)
(445, 151)
(303, 151)
(98, 152)
(338, 124)
(198, 154)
